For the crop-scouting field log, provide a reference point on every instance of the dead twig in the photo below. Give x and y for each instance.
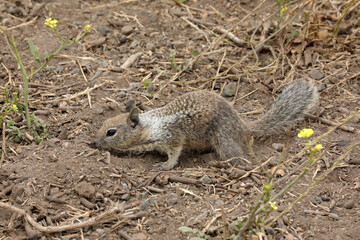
(130, 61)
(107, 216)
(3, 154)
(330, 123)
(184, 180)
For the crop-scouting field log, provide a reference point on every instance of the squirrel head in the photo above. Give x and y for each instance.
(120, 132)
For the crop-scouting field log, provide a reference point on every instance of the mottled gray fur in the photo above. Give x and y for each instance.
(203, 121)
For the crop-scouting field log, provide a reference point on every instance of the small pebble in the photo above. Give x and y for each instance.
(104, 30)
(121, 94)
(125, 197)
(99, 196)
(179, 44)
(270, 231)
(321, 87)
(150, 46)
(59, 68)
(172, 202)
(349, 204)
(278, 146)
(103, 64)
(229, 90)
(138, 236)
(206, 179)
(316, 74)
(126, 30)
(144, 205)
(85, 189)
(134, 44)
(285, 220)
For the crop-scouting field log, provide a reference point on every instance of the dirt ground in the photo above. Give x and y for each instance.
(66, 180)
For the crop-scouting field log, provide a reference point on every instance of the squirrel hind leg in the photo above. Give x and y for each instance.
(228, 148)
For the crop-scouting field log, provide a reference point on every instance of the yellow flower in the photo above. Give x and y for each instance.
(51, 23)
(13, 107)
(283, 11)
(318, 147)
(305, 133)
(273, 205)
(87, 28)
(1, 31)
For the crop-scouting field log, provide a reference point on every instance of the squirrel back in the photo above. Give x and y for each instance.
(203, 121)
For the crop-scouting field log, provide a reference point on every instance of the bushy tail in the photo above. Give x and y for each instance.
(288, 109)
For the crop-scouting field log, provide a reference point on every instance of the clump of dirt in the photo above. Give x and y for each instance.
(152, 52)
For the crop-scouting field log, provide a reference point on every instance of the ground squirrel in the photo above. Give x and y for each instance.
(202, 120)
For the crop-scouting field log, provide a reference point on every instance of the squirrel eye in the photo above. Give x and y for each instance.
(110, 132)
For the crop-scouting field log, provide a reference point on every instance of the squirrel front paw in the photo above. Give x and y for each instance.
(165, 166)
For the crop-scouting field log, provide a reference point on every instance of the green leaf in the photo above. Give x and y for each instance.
(147, 82)
(50, 57)
(10, 123)
(46, 54)
(19, 107)
(195, 52)
(34, 51)
(185, 229)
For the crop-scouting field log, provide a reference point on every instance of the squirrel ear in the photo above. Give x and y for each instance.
(134, 117)
(130, 105)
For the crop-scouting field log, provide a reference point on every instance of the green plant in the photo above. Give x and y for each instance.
(64, 43)
(173, 64)
(201, 234)
(11, 105)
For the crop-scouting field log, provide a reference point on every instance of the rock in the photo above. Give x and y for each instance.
(125, 197)
(150, 46)
(179, 44)
(85, 189)
(123, 49)
(323, 34)
(99, 196)
(172, 202)
(76, 71)
(270, 231)
(99, 111)
(154, 18)
(130, 105)
(59, 68)
(344, 110)
(285, 219)
(349, 204)
(321, 87)
(278, 146)
(138, 236)
(229, 90)
(316, 74)
(144, 205)
(134, 44)
(206, 179)
(162, 179)
(17, 191)
(236, 173)
(104, 30)
(103, 64)
(127, 30)
(121, 94)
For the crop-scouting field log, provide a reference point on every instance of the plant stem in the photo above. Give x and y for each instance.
(25, 82)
